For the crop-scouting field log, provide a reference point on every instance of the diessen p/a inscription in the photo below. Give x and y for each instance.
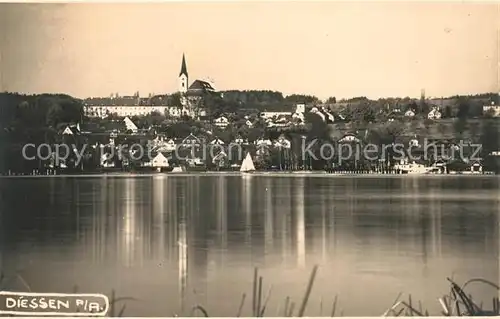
(53, 304)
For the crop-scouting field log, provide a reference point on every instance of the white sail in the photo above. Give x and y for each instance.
(247, 164)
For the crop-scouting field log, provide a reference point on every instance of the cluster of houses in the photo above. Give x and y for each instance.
(396, 113)
(190, 152)
(188, 103)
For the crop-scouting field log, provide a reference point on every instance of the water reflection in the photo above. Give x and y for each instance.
(246, 190)
(221, 210)
(160, 189)
(172, 235)
(298, 195)
(269, 216)
(129, 223)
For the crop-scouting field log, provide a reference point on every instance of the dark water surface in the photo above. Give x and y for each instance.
(163, 237)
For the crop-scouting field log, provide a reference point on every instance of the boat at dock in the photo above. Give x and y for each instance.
(413, 168)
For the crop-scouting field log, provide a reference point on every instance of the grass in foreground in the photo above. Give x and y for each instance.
(456, 303)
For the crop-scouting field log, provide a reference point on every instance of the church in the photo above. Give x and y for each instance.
(192, 95)
(192, 101)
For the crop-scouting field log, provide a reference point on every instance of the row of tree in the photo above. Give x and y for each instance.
(35, 119)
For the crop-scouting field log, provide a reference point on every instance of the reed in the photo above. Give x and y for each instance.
(456, 303)
(334, 306)
(242, 303)
(114, 300)
(287, 305)
(254, 292)
(262, 312)
(308, 291)
(201, 309)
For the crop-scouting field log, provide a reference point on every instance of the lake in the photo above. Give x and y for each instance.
(176, 241)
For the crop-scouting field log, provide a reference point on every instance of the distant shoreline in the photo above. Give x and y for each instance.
(257, 174)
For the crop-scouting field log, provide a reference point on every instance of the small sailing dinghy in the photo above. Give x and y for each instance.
(247, 165)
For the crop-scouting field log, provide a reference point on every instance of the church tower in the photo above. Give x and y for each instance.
(183, 76)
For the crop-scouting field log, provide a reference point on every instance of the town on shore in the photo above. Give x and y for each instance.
(176, 132)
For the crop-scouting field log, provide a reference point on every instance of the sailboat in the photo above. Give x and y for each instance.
(247, 165)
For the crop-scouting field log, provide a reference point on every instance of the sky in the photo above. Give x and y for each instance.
(342, 49)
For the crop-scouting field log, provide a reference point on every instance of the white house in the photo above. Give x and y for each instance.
(328, 115)
(158, 140)
(476, 167)
(238, 140)
(270, 115)
(300, 108)
(217, 141)
(219, 158)
(324, 114)
(283, 142)
(409, 113)
(173, 111)
(191, 140)
(105, 161)
(71, 129)
(127, 110)
(130, 125)
(414, 142)
(493, 109)
(162, 145)
(349, 138)
(263, 142)
(67, 131)
(160, 160)
(434, 114)
(248, 123)
(221, 121)
(299, 116)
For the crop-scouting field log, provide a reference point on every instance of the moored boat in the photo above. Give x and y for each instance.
(413, 168)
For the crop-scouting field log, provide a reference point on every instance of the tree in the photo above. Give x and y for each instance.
(317, 127)
(460, 126)
(174, 99)
(362, 112)
(300, 98)
(490, 138)
(391, 131)
(53, 115)
(331, 100)
(463, 108)
(447, 112)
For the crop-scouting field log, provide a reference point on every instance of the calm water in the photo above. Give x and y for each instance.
(177, 241)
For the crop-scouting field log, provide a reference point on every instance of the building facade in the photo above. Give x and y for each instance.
(493, 110)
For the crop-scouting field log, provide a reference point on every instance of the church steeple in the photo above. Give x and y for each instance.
(183, 66)
(183, 76)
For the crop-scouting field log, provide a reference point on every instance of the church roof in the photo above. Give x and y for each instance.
(183, 66)
(200, 85)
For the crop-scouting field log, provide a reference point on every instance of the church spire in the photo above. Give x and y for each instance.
(183, 66)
